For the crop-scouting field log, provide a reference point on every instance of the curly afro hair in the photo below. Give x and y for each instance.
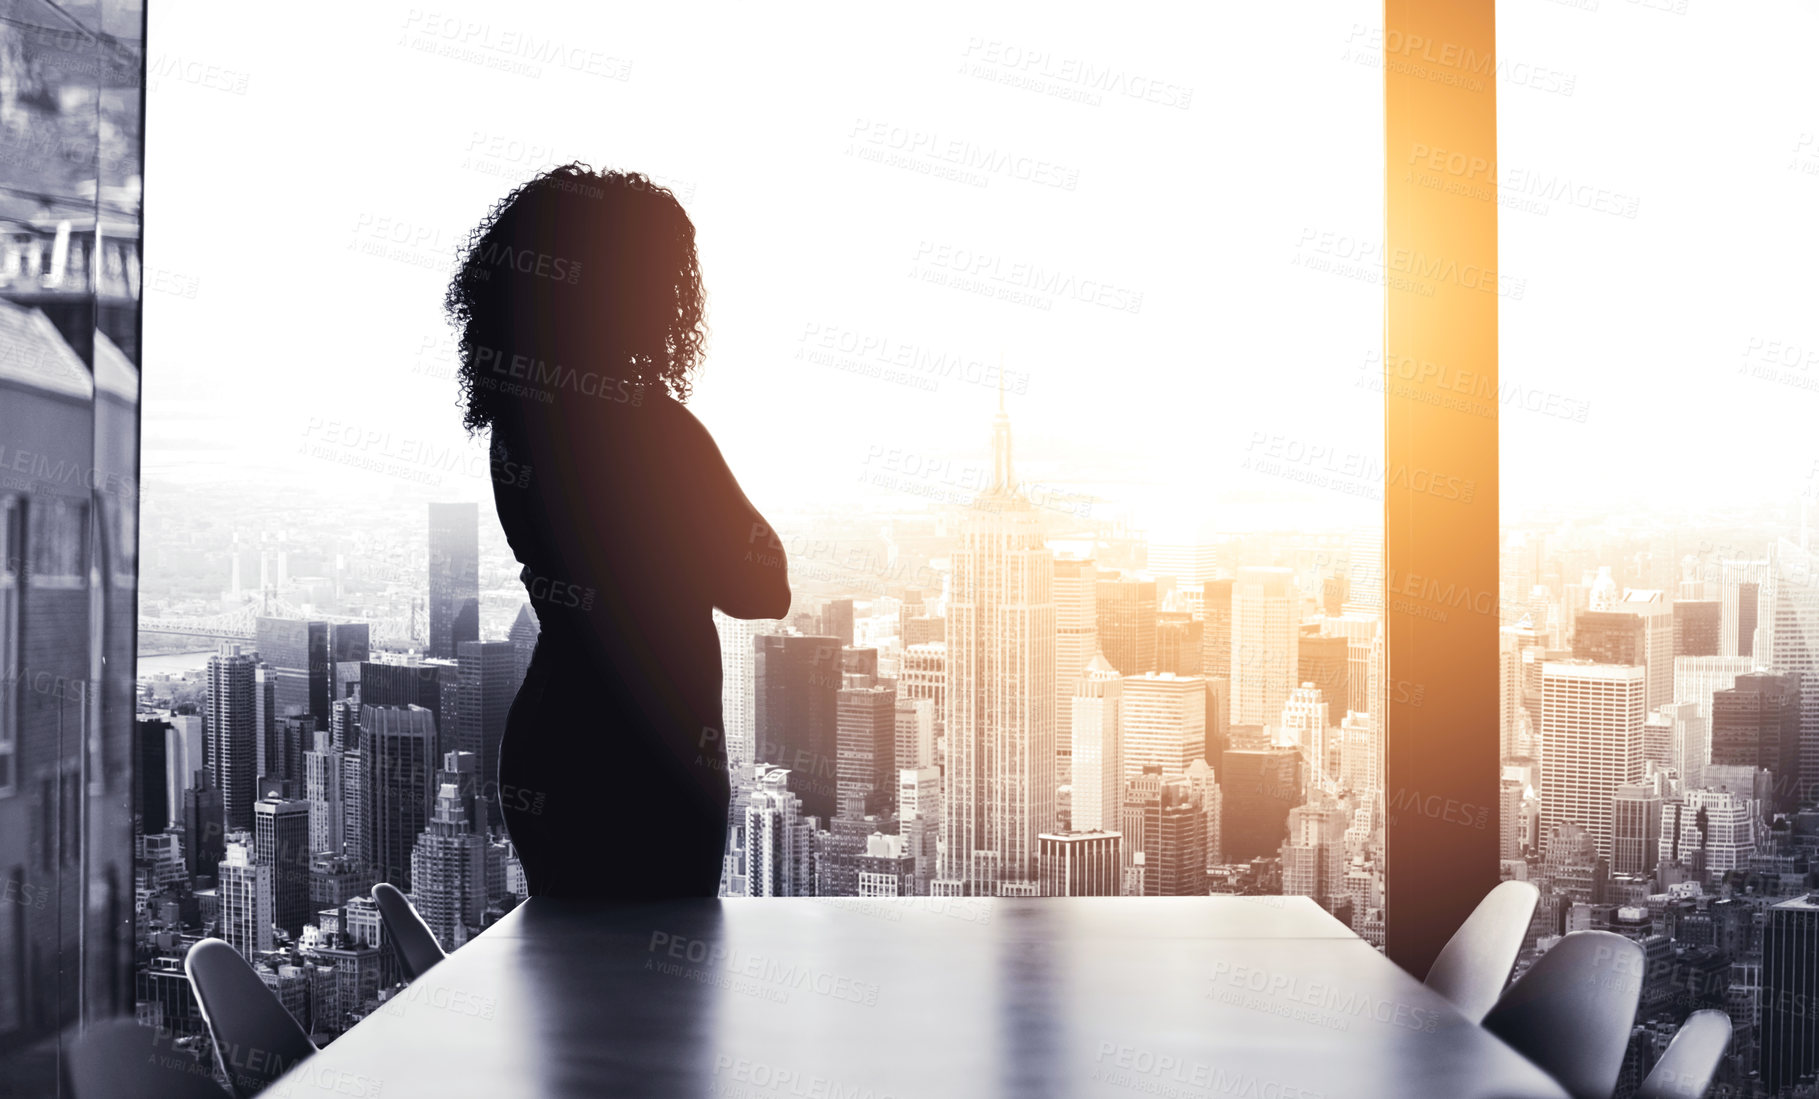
(576, 270)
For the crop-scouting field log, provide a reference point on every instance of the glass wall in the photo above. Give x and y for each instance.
(70, 282)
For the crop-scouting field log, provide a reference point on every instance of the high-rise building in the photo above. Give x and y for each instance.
(151, 782)
(915, 732)
(1126, 609)
(1000, 767)
(1076, 643)
(231, 724)
(297, 653)
(1098, 748)
(779, 844)
(1788, 641)
(398, 750)
(1509, 818)
(837, 620)
(434, 685)
(322, 775)
(1162, 721)
(1180, 645)
(866, 746)
(1216, 631)
(1364, 569)
(795, 713)
(526, 629)
(1757, 724)
(1591, 740)
(448, 862)
(1313, 856)
(1303, 725)
(204, 824)
(1165, 821)
(1635, 829)
(488, 674)
(1260, 786)
(1610, 637)
(1080, 864)
(925, 675)
(1656, 613)
(1324, 660)
(739, 684)
(1740, 595)
(1790, 983)
(1265, 629)
(454, 577)
(1698, 627)
(244, 888)
(281, 841)
(919, 820)
(1714, 830)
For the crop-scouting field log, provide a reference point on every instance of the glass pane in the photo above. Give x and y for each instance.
(1660, 715)
(69, 230)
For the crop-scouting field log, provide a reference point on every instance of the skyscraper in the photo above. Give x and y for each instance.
(1635, 829)
(398, 748)
(281, 841)
(1165, 821)
(448, 862)
(1265, 629)
(1076, 642)
(1260, 786)
(1789, 640)
(919, 820)
(151, 782)
(454, 577)
(1790, 983)
(1313, 856)
(322, 775)
(297, 651)
(1098, 748)
(1216, 631)
(1757, 724)
(866, 739)
(1126, 609)
(1162, 721)
(1000, 792)
(434, 685)
(1698, 627)
(738, 689)
(1180, 644)
(1080, 864)
(779, 845)
(244, 889)
(1324, 660)
(489, 682)
(1364, 568)
(795, 715)
(1591, 740)
(231, 724)
(915, 732)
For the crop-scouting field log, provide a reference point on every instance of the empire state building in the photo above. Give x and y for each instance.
(1000, 779)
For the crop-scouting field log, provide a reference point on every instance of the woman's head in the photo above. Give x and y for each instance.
(577, 283)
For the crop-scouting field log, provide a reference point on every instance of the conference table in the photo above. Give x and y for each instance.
(918, 998)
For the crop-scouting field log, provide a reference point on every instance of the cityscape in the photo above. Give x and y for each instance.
(993, 694)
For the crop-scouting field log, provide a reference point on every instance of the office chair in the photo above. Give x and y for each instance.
(1475, 964)
(1572, 1011)
(119, 1059)
(416, 945)
(1686, 1069)
(256, 1040)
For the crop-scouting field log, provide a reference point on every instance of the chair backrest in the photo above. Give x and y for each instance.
(1572, 1011)
(256, 1040)
(1686, 1069)
(416, 945)
(119, 1059)
(1475, 964)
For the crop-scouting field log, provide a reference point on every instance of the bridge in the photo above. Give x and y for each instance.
(395, 632)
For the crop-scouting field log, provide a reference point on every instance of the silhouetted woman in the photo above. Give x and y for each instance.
(579, 305)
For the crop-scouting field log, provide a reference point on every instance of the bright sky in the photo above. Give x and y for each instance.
(1231, 141)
